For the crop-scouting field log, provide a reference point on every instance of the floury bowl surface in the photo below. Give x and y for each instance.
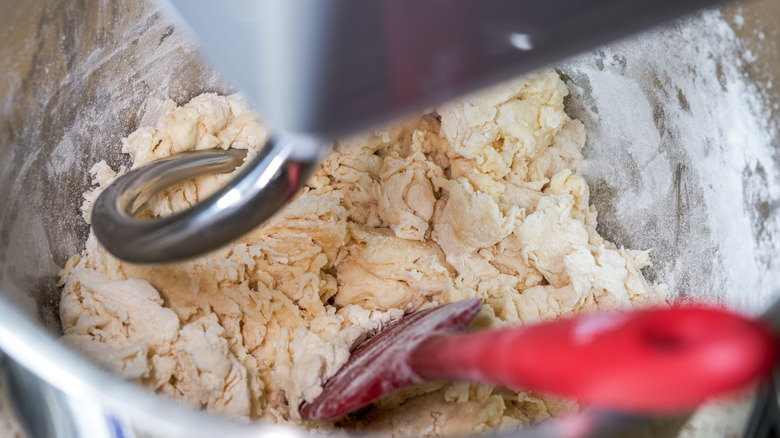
(682, 153)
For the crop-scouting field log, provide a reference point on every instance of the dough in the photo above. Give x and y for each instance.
(479, 199)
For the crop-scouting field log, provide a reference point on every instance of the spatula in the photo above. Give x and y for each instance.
(652, 361)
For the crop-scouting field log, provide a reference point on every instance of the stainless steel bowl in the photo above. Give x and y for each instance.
(683, 158)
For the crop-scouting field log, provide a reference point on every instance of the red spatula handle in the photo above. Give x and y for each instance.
(650, 361)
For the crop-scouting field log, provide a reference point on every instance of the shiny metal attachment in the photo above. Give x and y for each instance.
(269, 180)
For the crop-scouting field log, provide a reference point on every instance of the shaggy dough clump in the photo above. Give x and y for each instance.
(480, 199)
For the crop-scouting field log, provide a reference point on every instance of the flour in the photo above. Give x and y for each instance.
(419, 214)
(682, 157)
(77, 83)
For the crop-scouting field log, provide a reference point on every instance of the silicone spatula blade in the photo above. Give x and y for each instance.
(379, 365)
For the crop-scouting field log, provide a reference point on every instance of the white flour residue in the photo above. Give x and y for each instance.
(78, 83)
(682, 159)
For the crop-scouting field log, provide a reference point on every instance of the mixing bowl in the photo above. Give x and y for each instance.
(683, 157)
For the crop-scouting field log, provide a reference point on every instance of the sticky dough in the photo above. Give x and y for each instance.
(479, 199)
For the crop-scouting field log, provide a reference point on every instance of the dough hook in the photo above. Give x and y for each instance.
(267, 182)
